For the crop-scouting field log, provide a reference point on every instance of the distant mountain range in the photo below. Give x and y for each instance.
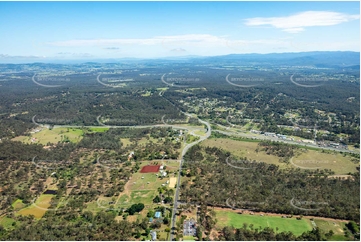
(337, 58)
(347, 59)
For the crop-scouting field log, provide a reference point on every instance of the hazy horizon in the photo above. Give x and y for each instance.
(48, 31)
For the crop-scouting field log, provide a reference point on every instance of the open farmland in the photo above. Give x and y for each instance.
(242, 149)
(307, 159)
(228, 218)
(38, 208)
(54, 136)
(335, 161)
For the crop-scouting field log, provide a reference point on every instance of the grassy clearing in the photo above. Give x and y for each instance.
(189, 238)
(58, 134)
(125, 142)
(162, 88)
(18, 204)
(242, 149)
(335, 226)
(145, 197)
(146, 140)
(99, 129)
(22, 138)
(340, 164)
(6, 222)
(200, 132)
(147, 94)
(297, 227)
(139, 190)
(311, 159)
(53, 136)
(137, 183)
(39, 208)
(93, 207)
(171, 165)
(142, 184)
(163, 236)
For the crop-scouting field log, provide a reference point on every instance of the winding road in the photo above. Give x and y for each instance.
(184, 151)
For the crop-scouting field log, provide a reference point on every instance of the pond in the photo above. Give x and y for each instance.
(52, 192)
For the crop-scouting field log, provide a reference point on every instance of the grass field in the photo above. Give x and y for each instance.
(171, 165)
(137, 183)
(53, 136)
(242, 149)
(18, 204)
(147, 94)
(99, 129)
(22, 138)
(335, 226)
(57, 134)
(137, 190)
(39, 208)
(93, 207)
(310, 159)
(227, 218)
(200, 132)
(145, 197)
(6, 222)
(125, 142)
(162, 88)
(189, 238)
(340, 164)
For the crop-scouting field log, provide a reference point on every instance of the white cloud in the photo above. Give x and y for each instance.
(298, 22)
(196, 44)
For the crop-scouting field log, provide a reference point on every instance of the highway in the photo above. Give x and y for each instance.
(101, 125)
(190, 129)
(264, 137)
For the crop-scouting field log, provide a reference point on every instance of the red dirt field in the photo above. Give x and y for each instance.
(148, 169)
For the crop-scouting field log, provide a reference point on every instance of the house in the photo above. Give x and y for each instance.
(269, 134)
(150, 220)
(281, 136)
(131, 155)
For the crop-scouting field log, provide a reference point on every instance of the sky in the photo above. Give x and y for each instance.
(95, 30)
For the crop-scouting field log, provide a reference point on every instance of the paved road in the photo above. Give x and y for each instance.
(184, 151)
(186, 148)
(190, 128)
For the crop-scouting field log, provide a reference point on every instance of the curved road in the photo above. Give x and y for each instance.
(118, 126)
(184, 151)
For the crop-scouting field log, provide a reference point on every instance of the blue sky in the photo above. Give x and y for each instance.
(92, 30)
